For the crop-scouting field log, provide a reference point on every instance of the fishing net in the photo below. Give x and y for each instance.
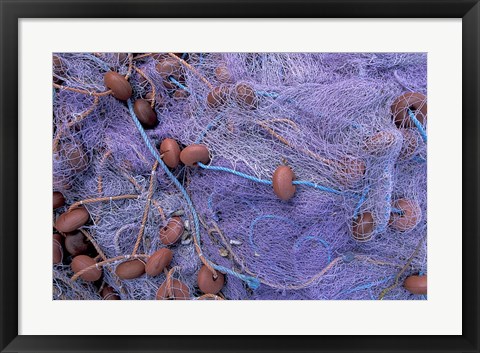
(355, 227)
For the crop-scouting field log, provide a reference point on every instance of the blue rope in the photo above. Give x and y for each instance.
(267, 182)
(361, 201)
(396, 210)
(259, 218)
(316, 186)
(252, 282)
(300, 241)
(295, 182)
(419, 159)
(228, 170)
(418, 125)
(102, 63)
(207, 128)
(267, 94)
(179, 84)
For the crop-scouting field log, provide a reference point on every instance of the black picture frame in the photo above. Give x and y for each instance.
(12, 10)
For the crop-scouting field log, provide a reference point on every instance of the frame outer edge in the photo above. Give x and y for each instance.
(3, 301)
(9, 177)
(470, 168)
(9, 174)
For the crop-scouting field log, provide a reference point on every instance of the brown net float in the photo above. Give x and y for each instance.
(168, 67)
(350, 171)
(145, 113)
(411, 144)
(406, 216)
(245, 96)
(176, 291)
(58, 199)
(170, 151)
(363, 227)
(82, 262)
(57, 248)
(416, 284)
(208, 283)
(282, 182)
(193, 154)
(380, 143)
(416, 102)
(218, 96)
(157, 262)
(108, 293)
(172, 288)
(72, 220)
(121, 88)
(75, 153)
(76, 243)
(130, 269)
(222, 74)
(172, 232)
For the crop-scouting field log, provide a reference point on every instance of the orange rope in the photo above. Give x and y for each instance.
(285, 141)
(100, 179)
(209, 297)
(94, 243)
(130, 66)
(101, 199)
(160, 210)
(191, 68)
(146, 209)
(85, 113)
(404, 268)
(168, 281)
(142, 56)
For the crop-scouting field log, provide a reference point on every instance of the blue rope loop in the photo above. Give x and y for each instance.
(301, 241)
(252, 282)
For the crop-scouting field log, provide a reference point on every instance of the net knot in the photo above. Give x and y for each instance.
(348, 257)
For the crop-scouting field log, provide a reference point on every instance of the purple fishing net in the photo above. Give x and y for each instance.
(325, 115)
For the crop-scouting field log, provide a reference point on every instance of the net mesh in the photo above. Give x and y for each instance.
(355, 227)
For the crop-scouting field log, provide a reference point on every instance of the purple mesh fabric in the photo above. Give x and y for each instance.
(315, 113)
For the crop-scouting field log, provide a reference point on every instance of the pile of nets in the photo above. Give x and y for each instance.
(355, 227)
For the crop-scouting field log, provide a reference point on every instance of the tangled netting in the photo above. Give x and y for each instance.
(318, 113)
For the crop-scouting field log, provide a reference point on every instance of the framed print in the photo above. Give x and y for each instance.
(303, 174)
